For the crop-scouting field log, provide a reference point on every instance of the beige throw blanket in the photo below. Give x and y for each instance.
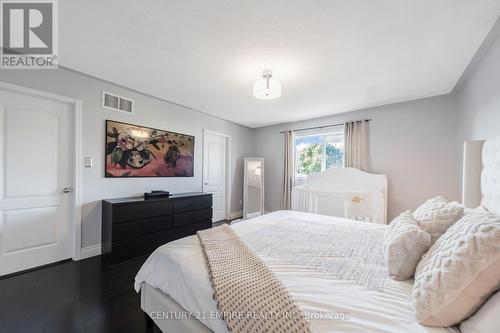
(249, 296)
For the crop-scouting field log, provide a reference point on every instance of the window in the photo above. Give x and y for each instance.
(316, 151)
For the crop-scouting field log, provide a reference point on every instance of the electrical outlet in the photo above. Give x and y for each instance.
(87, 162)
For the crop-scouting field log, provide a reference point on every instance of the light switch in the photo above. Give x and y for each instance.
(87, 162)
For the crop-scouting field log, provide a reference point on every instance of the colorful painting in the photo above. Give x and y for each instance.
(137, 151)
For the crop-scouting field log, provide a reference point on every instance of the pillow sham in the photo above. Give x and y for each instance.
(436, 215)
(404, 244)
(486, 319)
(459, 271)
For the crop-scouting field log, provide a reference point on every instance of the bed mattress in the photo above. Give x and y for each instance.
(332, 305)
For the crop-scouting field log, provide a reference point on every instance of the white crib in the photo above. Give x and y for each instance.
(343, 192)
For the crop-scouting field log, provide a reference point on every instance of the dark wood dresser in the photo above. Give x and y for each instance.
(133, 227)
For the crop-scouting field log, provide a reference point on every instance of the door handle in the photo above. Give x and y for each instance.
(66, 190)
(206, 183)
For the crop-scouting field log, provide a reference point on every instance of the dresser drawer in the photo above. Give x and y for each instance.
(141, 227)
(191, 229)
(138, 246)
(134, 227)
(151, 208)
(192, 217)
(187, 205)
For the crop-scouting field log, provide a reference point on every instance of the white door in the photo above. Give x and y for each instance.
(36, 136)
(214, 172)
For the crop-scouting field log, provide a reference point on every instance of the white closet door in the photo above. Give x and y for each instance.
(36, 171)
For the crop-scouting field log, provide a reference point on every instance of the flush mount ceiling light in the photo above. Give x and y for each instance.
(267, 88)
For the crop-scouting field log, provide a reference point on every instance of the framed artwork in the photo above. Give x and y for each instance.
(138, 151)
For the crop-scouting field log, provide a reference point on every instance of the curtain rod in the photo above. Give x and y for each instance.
(321, 127)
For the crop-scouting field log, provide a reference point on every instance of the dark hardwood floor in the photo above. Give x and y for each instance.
(70, 297)
(74, 296)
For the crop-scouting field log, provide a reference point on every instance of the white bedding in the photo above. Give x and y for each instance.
(179, 270)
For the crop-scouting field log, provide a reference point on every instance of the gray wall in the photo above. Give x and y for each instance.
(478, 92)
(149, 112)
(413, 143)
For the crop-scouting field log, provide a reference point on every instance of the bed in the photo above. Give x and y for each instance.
(175, 277)
(336, 295)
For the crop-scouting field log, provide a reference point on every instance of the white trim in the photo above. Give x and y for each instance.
(227, 214)
(236, 215)
(36, 93)
(77, 191)
(90, 251)
(77, 158)
(252, 215)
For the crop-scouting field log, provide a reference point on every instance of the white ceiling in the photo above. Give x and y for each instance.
(330, 55)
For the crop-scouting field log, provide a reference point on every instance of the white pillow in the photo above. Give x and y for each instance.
(404, 244)
(459, 272)
(437, 214)
(486, 319)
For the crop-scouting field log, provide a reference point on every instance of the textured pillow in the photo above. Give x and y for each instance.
(486, 319)
(459, 271)
(436, 215)
(404, 244)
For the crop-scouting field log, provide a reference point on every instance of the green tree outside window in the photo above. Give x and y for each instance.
(334, 157)
(309, 158)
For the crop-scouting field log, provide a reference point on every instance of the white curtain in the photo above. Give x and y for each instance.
(356, 144)
(288, 171)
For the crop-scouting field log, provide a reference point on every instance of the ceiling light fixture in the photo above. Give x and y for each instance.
(267, 88)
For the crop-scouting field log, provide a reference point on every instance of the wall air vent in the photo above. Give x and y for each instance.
(117, 103)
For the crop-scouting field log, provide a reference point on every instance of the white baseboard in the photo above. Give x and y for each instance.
(91, 251)
(236, 215)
